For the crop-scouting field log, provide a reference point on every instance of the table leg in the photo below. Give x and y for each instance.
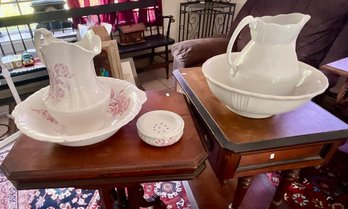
(106, 197)
(122, 198)
(342, 97)
(342, 94)
(242, 188)
(167, 61)
(286, 178)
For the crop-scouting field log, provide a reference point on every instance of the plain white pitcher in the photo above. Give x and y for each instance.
(268, 63)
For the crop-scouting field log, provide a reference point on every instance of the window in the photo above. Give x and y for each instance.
(15, 7)
(16, 39)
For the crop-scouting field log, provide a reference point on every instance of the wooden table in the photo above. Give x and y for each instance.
(340, 67)
(241, 147)
(123, 160)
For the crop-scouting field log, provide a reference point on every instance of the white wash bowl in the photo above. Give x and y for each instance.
(244, 98)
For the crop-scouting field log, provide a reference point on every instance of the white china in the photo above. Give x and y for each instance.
(241, 98)
(33, 119)
(160, 128)
(270, 57)
(75, 93)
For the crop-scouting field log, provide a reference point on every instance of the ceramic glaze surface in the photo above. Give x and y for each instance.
(75, 94)
(33, 119)
(239, 99)
(269, 59)
(160, 128)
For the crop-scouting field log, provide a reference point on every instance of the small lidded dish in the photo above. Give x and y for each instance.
(160, 128)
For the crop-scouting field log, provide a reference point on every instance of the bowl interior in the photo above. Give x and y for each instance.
(217, 70)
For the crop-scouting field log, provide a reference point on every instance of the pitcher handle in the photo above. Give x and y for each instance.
(245, 21)
(47, 35)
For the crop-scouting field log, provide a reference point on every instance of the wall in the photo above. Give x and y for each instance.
(172, 7)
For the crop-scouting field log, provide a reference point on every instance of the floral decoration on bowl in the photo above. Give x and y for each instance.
(33, 119)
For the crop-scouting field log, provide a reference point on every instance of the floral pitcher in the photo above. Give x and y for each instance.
(268, 63)
(75, 98)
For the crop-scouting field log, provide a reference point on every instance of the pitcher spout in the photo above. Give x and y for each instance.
(299, 20)
(91, 43)
(303, 18)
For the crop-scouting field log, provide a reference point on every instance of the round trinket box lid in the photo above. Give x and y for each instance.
(160, 128)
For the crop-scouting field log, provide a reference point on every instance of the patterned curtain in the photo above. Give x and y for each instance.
(125, 17)
(111, 17)
(145, 15)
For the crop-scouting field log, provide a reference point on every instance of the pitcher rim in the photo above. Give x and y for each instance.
(56, 40)
(305, 18)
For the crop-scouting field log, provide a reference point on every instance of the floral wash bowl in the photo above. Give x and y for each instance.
(244, 99)
(33, 119)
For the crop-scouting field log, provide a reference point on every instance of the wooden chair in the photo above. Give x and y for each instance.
(156, 36)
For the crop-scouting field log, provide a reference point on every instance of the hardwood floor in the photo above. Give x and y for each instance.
(210, 194)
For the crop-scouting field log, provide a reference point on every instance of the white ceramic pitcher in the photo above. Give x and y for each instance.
(76, 98)
(268, 63)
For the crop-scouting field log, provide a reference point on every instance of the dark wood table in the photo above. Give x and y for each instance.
(340, 67)
(123, 160)
(241, 147)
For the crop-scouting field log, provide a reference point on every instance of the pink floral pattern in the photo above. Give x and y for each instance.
(119, 103)
(58, 82)
(164, 142)
(44, 113)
